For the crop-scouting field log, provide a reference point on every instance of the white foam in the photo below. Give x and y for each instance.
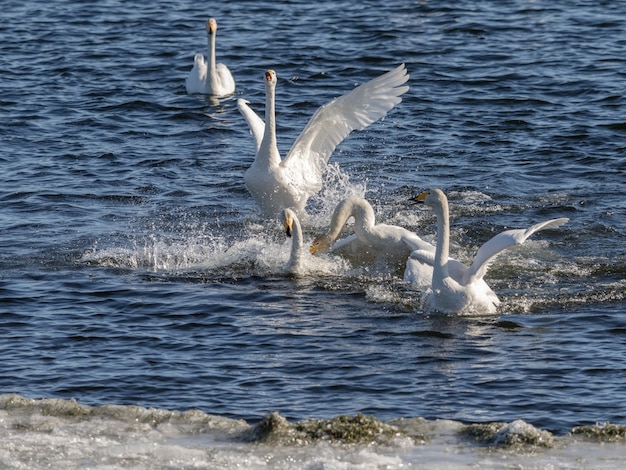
(65, 434)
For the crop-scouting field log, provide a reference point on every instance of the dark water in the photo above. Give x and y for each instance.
(134, 268)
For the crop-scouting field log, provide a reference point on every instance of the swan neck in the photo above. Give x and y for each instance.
(211, 53)
(361, 211)
(442, 251)
(297, 244)
(270, 114)
(269, 143)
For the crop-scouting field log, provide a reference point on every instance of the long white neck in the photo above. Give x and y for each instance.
(212, 75)
(442, 251)
(269, 147)
(363, 215)
(297, 244)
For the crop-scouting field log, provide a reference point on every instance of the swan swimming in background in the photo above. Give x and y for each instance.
(294, 231)
(208, 77)
(388, 245)
(457, 288)
(275, 183)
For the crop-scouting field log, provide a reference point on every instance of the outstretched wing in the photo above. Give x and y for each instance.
(255, 123)
(488, 252)
(332, 122)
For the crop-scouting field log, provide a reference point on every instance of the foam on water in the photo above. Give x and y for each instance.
(522, 276)
(66, 434)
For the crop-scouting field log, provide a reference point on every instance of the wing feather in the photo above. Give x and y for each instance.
(488, 252)
(255, 123)
(333, 121)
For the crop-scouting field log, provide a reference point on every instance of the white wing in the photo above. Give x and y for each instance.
(346, 246)
(488, 252)
(418, 273)
(255, 123)
(196, 79)
(415, 243)
(332, 122)
(225, 79)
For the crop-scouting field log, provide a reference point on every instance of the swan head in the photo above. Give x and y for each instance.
(321, 244)
(288, 217)
(270, 78)
(211, 26)
(432, 198)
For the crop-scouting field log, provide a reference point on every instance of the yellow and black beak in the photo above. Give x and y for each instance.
(288, 227)
(419, 198)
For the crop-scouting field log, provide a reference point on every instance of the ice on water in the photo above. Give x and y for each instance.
(66, 434)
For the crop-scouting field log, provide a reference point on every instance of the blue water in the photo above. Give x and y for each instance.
(134, 268)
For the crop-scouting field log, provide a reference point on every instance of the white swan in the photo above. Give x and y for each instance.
(294, 231)
(208, 77)
(385, 245)
(275, 183)
(457, 288)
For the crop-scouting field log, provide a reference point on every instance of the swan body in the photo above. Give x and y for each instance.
(277, 183)
(209, 77)
(387, 245)
(294, 231)
(455, 287)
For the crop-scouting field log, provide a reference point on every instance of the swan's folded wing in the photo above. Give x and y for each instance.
(423, 256)
(332, 122)
(488, 252)
(226, 80)
(415, 243)
(255, 123)
(418, 273)
(346, 246)
(196, 79)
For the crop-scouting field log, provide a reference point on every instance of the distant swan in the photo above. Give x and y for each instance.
(208, 77)
(387, 245)
(457, 288)
(294, 231)
(275, 183)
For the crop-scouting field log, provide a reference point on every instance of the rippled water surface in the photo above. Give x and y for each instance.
(135, 269)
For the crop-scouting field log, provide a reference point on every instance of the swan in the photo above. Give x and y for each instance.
(293, 230)
(457, 288)
(208, 77)
(275, 183)
(388, 245)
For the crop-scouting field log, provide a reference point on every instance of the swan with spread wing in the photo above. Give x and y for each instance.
(455, 287)
(277, 183)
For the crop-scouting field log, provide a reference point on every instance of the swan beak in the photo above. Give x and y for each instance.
(320, 244)
(288, 227)
(268, 75)
(317, 245)
(419, 198)
(211, 26)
